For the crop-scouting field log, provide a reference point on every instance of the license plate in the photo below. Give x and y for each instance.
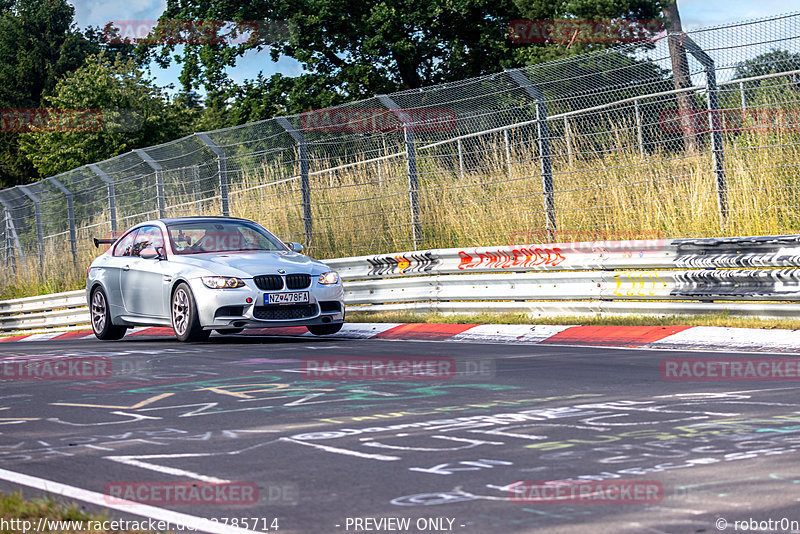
(286, 298)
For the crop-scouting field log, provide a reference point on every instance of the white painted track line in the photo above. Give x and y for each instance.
(199, 524)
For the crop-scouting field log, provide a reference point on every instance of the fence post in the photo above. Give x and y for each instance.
(112, 194)
(39, 234)
(73, 239)
(568, 141)
(222, 170)
(460, 159)
(7, 261)
(507, 144)
(543, 140)
(639, 133)
(744, 102)
(159, 180)
(305, 186)
(411, 165)
(11, 234)
(742, 96)
(714, 123)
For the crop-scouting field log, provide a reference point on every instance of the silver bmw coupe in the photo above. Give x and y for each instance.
(198, 274)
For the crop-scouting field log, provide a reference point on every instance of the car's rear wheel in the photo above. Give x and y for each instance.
(228, 331)
(185, 319)
(101, 317)
(324, 329)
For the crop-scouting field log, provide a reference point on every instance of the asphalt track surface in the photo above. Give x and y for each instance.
(443, 453)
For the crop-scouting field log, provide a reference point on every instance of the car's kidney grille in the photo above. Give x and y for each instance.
(269, 282)
(284, 312)
(298, 281)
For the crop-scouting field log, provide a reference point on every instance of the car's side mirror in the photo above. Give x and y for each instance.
(295, 247)
(149, 253)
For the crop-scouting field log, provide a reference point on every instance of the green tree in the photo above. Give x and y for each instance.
(768, 63)
(584, 10)
(132, 112)
(38, 44)
(352, 49)
(769, 92)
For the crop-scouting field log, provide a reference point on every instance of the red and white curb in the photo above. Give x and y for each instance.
(655, 337)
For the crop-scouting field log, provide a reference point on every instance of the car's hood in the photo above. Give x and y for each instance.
(249, 264)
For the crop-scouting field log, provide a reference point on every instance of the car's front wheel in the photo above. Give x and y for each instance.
(185, 319)
(324, 329)
(101, 317)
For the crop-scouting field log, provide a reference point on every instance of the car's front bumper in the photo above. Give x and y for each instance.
(228, 308)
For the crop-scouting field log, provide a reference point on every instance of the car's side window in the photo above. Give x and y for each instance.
(148, 236)
(125, 245)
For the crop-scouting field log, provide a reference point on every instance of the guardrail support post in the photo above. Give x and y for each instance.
(714, 123)
(222, 169)
(39, 234)
(543, 140)
(305, 185)
(160, 201)
(73, 239)
(411, 166)
(112, 195)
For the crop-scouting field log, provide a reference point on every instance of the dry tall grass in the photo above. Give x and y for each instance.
(615, 194)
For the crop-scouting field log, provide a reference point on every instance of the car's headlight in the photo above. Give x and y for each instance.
(331, 277)
(222, 282)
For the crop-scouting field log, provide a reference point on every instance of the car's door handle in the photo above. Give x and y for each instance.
(126, 268)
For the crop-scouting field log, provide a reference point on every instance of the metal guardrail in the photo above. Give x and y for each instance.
(758, 276)
(56, 310)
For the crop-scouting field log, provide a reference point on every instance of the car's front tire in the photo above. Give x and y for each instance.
(324, 329)
(185, 319)
(100, 314)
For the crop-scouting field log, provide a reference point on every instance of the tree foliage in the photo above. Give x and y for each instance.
(38, 45)
(132, 111)
(352, 49)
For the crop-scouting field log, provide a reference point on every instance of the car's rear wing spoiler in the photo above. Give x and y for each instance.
(103, 241)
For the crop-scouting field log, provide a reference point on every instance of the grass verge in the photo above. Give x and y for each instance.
(15, 507)
(720, 319)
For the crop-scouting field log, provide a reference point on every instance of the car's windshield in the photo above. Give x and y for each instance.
(220, 236)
